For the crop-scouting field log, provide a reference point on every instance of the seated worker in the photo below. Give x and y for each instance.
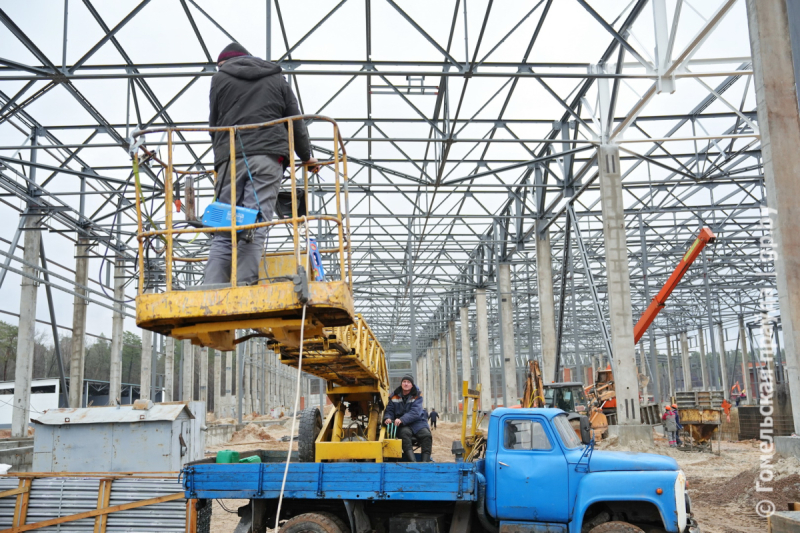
(405, 411)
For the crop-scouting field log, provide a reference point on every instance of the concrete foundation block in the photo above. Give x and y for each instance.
(630, 435)
(784, 521)
(787, 446)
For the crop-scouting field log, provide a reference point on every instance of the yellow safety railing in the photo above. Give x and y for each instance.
(342, 355)
(341, 219)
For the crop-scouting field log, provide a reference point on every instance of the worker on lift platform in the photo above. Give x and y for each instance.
(405, 412)
(249, 90)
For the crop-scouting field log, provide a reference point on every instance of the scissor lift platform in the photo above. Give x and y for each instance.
(209, 316)
(293, 292)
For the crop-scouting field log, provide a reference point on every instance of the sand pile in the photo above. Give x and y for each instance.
(251, 433)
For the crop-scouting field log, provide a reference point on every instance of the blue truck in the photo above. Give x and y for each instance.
(536, 477)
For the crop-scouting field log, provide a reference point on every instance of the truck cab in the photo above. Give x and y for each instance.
(539, 473)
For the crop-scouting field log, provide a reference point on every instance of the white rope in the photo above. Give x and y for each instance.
(297, 391)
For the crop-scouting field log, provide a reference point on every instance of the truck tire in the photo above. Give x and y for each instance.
(616, 527)
(314, 523)
(310, 426)
(204, 509)
(336, 520)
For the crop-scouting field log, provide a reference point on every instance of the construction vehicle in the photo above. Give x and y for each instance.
(567, 396)
(307, 316)
(602, 392)
(536, 476)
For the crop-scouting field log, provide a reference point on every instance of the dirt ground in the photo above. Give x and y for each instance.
(722, 487)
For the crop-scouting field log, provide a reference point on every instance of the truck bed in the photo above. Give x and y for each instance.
(349, 481)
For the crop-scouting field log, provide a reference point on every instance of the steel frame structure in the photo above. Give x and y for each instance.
(453, 168)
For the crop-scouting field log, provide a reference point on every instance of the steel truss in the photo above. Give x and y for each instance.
(479, 135)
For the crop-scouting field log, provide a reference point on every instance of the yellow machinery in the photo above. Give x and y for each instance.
(272, 307)
(473, 440)
(353, 363)
(336, 345)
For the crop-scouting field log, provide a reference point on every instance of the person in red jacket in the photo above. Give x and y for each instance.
(670, 425)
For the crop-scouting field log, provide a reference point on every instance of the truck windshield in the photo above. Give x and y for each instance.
(568, 436)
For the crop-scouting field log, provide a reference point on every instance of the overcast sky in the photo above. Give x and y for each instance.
(160, 33)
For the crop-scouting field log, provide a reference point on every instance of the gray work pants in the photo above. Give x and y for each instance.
(267, 174)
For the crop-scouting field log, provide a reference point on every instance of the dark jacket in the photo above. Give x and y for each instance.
(249, 90)
(433, 416)
(407, 408)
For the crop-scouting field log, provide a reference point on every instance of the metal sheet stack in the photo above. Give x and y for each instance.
(54, 497)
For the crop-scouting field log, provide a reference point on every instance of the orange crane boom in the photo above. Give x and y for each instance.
(659, 302)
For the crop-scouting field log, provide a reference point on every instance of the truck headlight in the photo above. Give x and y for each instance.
(680, 499)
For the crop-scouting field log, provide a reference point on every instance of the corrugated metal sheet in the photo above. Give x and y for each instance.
(122, 414)
(56, 497)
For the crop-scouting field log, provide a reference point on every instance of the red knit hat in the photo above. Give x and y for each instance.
(232, 50)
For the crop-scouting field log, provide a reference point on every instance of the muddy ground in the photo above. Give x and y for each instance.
(722, 487)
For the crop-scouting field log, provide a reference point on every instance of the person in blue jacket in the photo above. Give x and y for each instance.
(405, 412)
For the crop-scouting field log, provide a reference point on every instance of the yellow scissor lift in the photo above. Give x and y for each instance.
(337, 346)
(353, 363)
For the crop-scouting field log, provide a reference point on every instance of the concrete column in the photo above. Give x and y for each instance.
(701, 342)
(79, 305)
(484, 368)
(248, 385)
(509, 355)
(723, 363)
(619, 286)
(428, 391)
(437, 378)
(204, 375)
(228, 382)
(169, 366)
(452, 363)
(146, 368)
(434, 368)
(775, 83)
(670, 376)
(23, 375)
(117, 323)
(443, 388)
(257, 376)
(217, 383)
(187, 362)
(746, 386)
(547, 309)
(466, 363)
(685, 363)
(420, 376)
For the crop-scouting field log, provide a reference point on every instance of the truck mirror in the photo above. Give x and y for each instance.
(586, 430)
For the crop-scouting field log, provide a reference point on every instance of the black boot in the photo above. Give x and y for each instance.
(426, 458)
(410, 457)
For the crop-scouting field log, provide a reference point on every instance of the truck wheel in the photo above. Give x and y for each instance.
(313, 523)
(336, 520)
(310, 426)
(616, 527)
(204, 509)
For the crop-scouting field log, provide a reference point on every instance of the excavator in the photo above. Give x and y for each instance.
(568, 396)
(598, 401)
(302, 302)
(601, 393)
